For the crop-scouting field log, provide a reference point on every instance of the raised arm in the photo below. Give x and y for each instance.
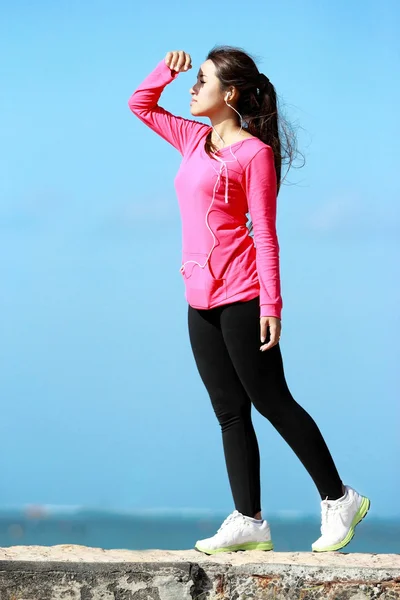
(259, 183)
(143, 103)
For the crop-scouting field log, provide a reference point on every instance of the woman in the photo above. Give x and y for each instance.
(232, 284)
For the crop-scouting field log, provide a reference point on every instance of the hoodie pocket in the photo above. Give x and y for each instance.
(202, 289)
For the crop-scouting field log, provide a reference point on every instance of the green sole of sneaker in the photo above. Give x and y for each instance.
(246, 546)
(362, 512)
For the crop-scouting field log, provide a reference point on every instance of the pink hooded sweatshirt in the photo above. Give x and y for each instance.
(221, 263)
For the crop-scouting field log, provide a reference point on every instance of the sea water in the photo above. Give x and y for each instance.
(139, 530)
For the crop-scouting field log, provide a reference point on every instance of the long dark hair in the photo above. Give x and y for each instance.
(257, 103)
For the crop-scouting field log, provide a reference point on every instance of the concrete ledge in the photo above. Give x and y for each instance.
(72, 572)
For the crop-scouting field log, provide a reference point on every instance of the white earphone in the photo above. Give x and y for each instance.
(223, 165)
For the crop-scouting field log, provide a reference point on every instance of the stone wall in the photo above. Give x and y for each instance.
(71, 572)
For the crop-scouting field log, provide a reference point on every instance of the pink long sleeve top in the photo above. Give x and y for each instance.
(221, 263)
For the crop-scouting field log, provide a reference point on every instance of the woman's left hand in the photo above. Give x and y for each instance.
(275, 329)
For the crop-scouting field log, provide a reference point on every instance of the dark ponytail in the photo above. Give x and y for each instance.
(257, 103)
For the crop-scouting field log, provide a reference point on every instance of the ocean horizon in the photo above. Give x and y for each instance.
(172, 529)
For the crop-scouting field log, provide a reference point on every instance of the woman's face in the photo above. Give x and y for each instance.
(207, 97)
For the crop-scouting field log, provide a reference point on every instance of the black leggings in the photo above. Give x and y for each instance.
(225, 341)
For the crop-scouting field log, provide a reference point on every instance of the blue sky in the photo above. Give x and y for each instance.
(101, 401)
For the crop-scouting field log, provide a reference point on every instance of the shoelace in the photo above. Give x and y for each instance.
(230, 518)
(328, 515)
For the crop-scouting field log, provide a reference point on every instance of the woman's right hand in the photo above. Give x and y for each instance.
(178, 60)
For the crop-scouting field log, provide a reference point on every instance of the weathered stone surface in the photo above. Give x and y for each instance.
(72, 572)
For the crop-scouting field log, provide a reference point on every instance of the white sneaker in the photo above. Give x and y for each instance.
(339, 518)
(238, 532)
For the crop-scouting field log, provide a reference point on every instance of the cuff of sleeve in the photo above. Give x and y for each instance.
(270, 310)
(172, 73)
